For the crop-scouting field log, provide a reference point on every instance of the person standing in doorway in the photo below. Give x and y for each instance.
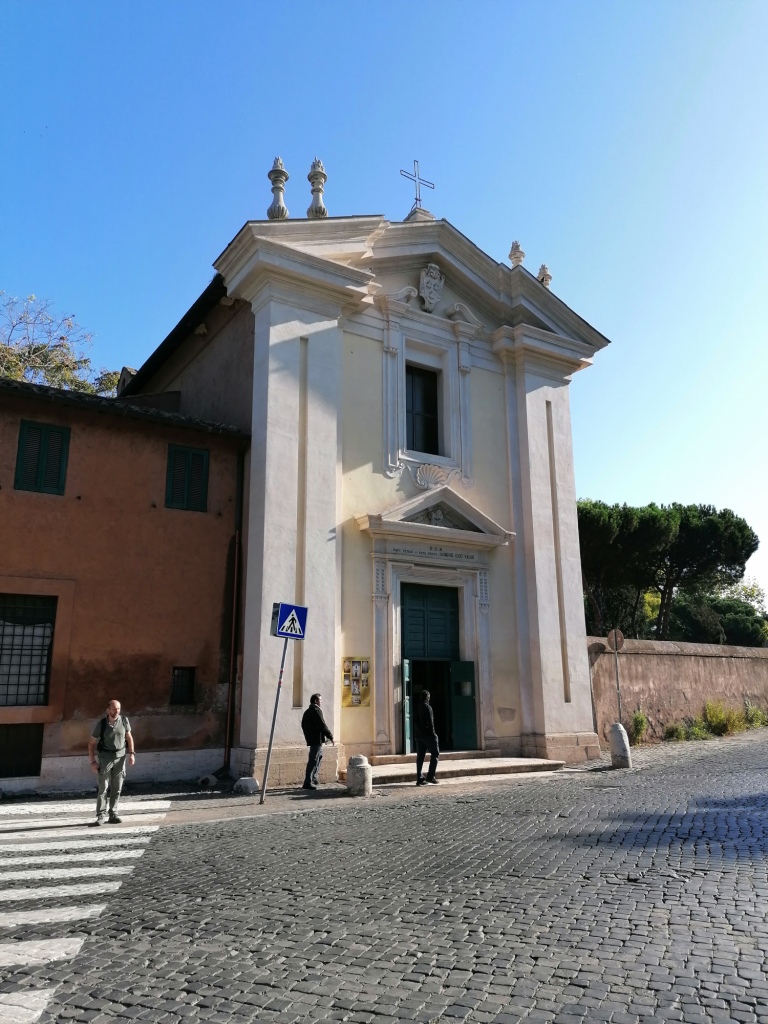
(426, 739)
(110, 745)
(316, 732)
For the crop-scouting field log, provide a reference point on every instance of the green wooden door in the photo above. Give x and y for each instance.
(430, 622)
(430, 634)
(463, 705)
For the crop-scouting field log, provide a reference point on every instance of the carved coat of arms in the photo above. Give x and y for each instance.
(431, 286)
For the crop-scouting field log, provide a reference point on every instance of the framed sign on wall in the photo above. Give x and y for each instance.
(355, 679)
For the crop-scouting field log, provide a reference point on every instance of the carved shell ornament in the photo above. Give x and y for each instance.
(428, 477)
(431, 286)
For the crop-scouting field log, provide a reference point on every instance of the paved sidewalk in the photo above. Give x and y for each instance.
(623, 897)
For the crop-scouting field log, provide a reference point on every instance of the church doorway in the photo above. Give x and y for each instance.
(431, 661)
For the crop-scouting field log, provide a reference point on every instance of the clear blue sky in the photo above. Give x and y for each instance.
(624, 143)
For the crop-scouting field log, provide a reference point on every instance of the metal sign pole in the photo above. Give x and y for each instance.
(274, 720)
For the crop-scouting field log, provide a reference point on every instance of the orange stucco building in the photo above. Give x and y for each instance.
(119, 550)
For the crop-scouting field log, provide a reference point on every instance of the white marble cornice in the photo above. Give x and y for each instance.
(528, 346)
(254, 263)
(379, 527)
(522, 287)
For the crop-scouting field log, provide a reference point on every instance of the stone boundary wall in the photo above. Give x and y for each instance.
(670, 681)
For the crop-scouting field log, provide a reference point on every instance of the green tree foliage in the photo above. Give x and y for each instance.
(750, 591)
(713, 619)
(668, 551)
(710, 551)
(39, 346)
(618, 549)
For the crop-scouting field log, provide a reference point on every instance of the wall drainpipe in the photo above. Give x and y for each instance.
(236, 609)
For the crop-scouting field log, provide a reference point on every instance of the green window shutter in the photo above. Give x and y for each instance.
(41, 463)
(187, 479)
(176, 481)
(28, 457)
(53, 469)
(197, 494)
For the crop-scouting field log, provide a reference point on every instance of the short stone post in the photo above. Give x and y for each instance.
(359, 776)
(620, 755)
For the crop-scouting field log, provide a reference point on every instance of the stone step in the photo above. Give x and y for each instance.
(456, 768)
(445, 755)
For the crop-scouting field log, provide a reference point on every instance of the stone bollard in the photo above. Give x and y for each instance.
(359, 776)
(620, 755)
(246, 786)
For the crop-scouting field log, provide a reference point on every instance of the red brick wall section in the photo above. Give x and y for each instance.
(151, 586)
(671, 681)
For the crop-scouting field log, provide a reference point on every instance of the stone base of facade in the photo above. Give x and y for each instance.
(73, 774)
(287, 766)
(571, 747)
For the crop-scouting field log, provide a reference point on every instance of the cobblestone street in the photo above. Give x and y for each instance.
(583, 896)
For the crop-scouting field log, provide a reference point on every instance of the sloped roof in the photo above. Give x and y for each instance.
(111, 407)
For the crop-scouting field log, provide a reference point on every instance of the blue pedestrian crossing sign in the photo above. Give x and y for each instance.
(289, 621)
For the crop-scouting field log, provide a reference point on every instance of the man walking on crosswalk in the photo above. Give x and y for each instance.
(111, 743)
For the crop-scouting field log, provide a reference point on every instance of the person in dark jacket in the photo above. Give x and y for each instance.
(316, 732)
(426, 739)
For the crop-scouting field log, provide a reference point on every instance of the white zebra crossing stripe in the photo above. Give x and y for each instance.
(50, 892)
(54, 808)
(48, 874)
(62, 858)
(34, 849)
(24, 1007)
(54, 824)
(38, 951)
(62, 838)
(51, 915)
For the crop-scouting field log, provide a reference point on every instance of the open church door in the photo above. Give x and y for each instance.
(408, 745)
(463, 705)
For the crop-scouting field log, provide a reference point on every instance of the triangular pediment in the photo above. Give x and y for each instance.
(440, 515)
(388, 255)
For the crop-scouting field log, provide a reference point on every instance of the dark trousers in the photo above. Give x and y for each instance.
(422, 747)
(313, 764)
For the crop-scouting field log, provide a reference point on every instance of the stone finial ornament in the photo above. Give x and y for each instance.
(431, 286)
(516, 254)
(278, 176)
(317, 179)
(544, 275)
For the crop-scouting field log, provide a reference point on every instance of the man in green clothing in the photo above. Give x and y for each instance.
(110, 744)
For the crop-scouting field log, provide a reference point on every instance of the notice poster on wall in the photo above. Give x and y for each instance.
(355, 682)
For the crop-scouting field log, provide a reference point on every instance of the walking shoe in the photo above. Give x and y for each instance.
(432, 782)
(115, 820)
(421, 782)
(99, 821)
(308, 785)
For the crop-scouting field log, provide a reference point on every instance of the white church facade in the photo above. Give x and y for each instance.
(409, 479)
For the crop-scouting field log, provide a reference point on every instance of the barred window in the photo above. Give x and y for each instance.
(26, 643)
(41, 460)
(186, 484)
(183, 686)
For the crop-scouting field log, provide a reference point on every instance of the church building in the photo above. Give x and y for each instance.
(409, 480)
